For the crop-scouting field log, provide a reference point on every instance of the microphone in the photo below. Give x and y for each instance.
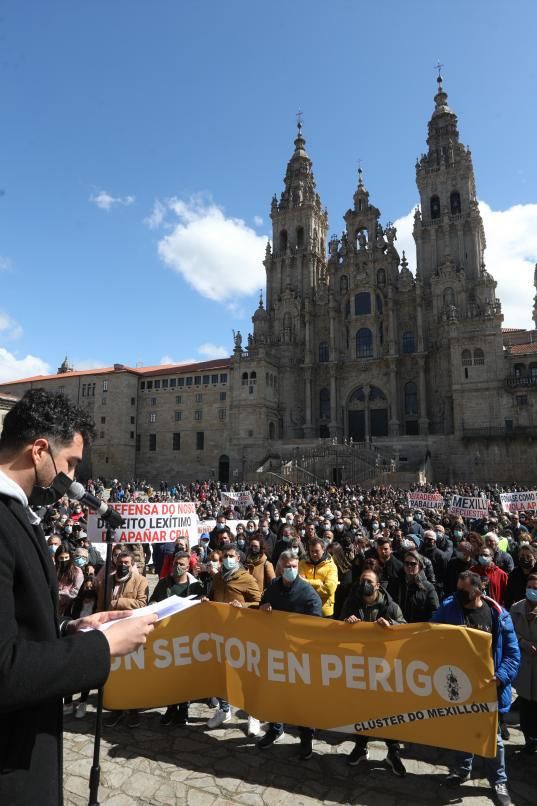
(79, 493)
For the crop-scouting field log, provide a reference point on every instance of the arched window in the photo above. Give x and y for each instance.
(300, 237)
(409, 342)
(379, 304)
(466, 358)
(376, 394)
(381, 278)
(435, 207)
(271, 430)
(283, 240)
(479, 356)
(343, 284)
(324, 404)
(364, 343)
(362, 303)
(411, 399)
(449, 297)
(358, 396)
(245, 379)
(455, 202)
(323, 352)
(253, 378)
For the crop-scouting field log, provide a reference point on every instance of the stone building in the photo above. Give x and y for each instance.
(355, 364)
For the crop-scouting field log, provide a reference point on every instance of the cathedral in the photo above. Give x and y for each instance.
(356, 367)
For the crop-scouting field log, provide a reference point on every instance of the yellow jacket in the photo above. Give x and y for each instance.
(323, 578)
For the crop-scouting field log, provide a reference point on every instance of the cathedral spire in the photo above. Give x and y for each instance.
(299, 180)
(443, 123)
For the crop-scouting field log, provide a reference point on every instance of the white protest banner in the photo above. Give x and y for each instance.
(242, 499)
(469, 506)
(146, 522)
(519, 502)
(418, 500)
(205, 527)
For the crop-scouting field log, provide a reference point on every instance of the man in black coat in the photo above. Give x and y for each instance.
(41, 444)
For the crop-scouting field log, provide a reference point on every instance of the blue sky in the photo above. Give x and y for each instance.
(142, 141)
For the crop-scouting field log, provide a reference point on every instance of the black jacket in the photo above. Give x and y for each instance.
(37, 666)
(417, 601)
(384, 607)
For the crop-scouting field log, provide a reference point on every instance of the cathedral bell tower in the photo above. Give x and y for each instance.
(449, 224)
(299, 227)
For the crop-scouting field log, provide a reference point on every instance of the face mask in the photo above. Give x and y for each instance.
(52, 549)
(460, 555)
(241, 543)
(123, 572)
(81, 561)
(340, 527)
(220, 527)
(417, 517)
(408, 520)
(294, 552)
(179, 570)
(290, 573)
(265, 530)
(366, 588)
(286, 538)
(484, 560)
(214, 565)
(457, 533)
(276, 517)
(463, 597)
(68, 530)
(302, 532)
(46, 496)
(255, 550)
(531, 594)
(374, 527)
(63, 564)
(229, 563)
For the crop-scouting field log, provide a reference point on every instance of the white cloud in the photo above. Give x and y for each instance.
(210, 351)
(5, 263)
(168, 359)
(510, 256)
(13, 368)
(156, 217)
(88, 363)
(220, 257)
(105, 201)
(9, 329)
(258, 221)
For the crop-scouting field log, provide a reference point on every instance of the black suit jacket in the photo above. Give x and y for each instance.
(37, 666)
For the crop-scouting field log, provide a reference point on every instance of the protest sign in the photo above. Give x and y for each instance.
(469, 506)
(426, 683)
(146, 522)
(241, 499)
(417, 500)
(205, 527)
(519, 502)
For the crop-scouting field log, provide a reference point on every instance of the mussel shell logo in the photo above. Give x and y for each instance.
(452, 684)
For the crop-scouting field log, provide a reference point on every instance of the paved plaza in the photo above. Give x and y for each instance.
(195, 766)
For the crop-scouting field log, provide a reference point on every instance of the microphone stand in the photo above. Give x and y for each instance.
(95, 773)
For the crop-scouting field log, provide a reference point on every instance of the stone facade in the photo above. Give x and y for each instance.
(350, 345)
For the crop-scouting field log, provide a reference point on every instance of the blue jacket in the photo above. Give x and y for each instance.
(505, 649)
(296, 598)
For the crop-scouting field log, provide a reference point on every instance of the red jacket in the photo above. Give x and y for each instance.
(497, 580)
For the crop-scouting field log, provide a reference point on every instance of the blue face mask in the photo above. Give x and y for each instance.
(81, 561)
(229, 563)
(531, 594)
(290, 573)
(484, 560)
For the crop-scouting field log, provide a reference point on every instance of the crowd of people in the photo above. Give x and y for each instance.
(341, 553)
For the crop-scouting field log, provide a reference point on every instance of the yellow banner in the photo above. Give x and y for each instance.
(425, 683)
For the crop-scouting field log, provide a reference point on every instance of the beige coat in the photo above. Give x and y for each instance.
(262, 571)
(241, 587)
(526, 632)
(129, 595)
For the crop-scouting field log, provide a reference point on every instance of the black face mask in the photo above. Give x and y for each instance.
(366, 588)
(46, 496)
(525, 562)
(123, 571)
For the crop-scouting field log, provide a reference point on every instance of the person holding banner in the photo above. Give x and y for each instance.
(469, 608)
(494, 580)
(320, 571)
(291, 593)
(369, 602)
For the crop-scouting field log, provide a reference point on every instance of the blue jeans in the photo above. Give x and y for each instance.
(494, 767)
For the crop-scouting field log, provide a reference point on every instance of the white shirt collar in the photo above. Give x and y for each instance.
(13, 490)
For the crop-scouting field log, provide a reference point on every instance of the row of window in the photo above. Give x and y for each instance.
(176, 441)
(179, 398)
(190, 380)
(520, 371)
(88, 389)
(454, 205)
(364, 344)
(478, 358)
(178, 415)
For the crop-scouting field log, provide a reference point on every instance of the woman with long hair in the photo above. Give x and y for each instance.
(70, 578)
